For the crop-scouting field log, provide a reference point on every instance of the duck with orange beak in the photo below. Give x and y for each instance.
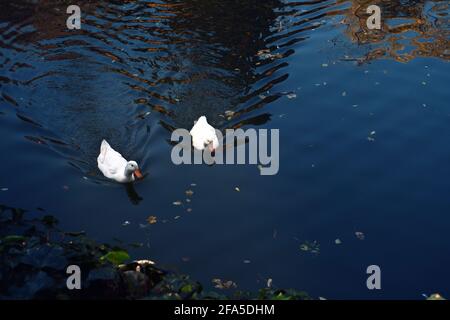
(115, 167)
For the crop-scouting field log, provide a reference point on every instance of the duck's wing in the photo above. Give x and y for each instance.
(110, 160)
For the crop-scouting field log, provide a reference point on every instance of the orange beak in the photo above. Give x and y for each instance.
(138, 174)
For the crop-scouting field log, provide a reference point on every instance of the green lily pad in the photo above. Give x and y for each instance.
(13, 238)
(116, 257)
(186, 288)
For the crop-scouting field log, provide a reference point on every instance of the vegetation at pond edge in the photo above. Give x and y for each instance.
(35, 253)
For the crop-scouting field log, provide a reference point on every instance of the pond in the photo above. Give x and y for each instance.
(363, 118)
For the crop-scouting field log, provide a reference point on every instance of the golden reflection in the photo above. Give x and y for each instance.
(409, 29)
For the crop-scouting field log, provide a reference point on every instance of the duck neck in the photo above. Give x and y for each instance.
(128, 172)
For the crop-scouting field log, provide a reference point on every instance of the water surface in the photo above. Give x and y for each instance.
(364, 127)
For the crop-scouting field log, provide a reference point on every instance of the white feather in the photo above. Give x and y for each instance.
(203, 134)
(112, 164)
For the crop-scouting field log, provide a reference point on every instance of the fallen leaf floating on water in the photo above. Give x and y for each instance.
(228, 114)
(291, 95)
(262, 51)
(237, 189)
(360, 235)
(177, 203)
(116, 257)
(312, 247)
(189, 193)
(151, 220)
(222, 284)
(265, 54)
(435, 296)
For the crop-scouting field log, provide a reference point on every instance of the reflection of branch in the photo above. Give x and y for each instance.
(392, 38)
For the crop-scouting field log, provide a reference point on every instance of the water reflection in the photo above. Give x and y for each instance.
(410, 29)
(139, 66)
(135, 65)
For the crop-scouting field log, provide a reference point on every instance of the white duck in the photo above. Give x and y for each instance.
(204, 135)
(115, 167)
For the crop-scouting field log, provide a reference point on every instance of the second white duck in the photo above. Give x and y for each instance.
(204, 135)
(115, 167)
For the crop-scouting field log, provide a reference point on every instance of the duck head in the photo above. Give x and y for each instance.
(132, 168)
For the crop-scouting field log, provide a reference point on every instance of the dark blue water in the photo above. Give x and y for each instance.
(364, 142)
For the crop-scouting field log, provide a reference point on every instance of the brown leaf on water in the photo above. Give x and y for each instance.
(223, 284)
(189, 193)
(151, 219)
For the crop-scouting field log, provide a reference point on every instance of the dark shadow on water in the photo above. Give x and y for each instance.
(134, 197)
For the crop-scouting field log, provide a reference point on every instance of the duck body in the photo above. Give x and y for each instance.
(115, 167)
(204, 135)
